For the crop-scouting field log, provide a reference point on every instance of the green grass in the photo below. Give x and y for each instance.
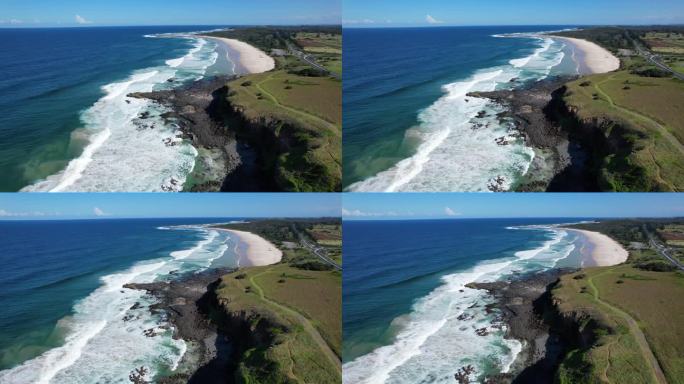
(311, 109)
(653, 299)
(295, 355)
(649, 113)
(304, 306)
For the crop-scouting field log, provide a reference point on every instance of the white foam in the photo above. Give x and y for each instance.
(451, 154)
(100, 345)
(419, 352)
(128, 153)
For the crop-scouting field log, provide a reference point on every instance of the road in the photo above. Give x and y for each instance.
(662, 249)
(316, 250)
(309, 60)
(655, 60)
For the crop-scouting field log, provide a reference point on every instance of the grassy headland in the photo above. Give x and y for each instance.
(293, 113)
(625, 322)
(631, 119)
(293, 307)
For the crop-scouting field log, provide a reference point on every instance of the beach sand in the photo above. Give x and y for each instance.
(259, 250)
(595, 58)
(249, 58)
(604, 250)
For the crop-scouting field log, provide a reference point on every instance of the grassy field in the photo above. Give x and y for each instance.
(298, 294)
(311, 107)
(616, 296)
(326, 234)
(300, 106)
(648, 109)
(665, 42)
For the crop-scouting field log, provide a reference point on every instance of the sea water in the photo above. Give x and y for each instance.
(405, 289)
(67, 123)
(409, 124)
(66, 317)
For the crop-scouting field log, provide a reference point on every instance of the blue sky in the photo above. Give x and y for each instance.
(396, 13)
(49, 13)
(44, 206)
(396, 206)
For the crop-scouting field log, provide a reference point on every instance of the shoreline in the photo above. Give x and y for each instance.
(593, 58)
(259, 251)
(605, 251)
(250, 59)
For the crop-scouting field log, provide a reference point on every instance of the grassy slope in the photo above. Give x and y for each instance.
(651, 107)
(307, 303)
(652, 300)
(315, 295)
(311, 106)
(648, 109)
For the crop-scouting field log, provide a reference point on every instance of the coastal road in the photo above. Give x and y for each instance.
(310, 60)
(316, 250)
(662, 249)
(655, 60)
(306, 324)
(634, 328)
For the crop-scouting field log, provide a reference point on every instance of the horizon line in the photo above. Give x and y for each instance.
(389, 26)
(48, 26)
(348, 218)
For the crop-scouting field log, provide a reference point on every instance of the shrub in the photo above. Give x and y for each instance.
(246, 83)
(585, 84)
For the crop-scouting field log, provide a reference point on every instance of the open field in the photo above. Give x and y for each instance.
(647, 111)
(325, 234)
(306, 304)
(665, 42)
(626, 302)
(301, 298)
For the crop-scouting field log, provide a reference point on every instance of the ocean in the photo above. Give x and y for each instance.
(65, 121)
(65, 317)
(404, 289)
(408, 124)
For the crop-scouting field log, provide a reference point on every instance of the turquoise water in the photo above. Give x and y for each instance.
(65, 121)
(404, 290)
(408, 124)
(63, 302)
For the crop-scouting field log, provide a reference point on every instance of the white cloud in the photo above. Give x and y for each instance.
(82, 20)
(98, 212)
(362, 21)
(12, 21)
(4, 213)
(450, 212)
(432, 20)
(359, 213)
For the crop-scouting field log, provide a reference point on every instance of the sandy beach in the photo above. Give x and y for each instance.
(595, 58)
(249, 58)
(604, 250)
(259, 250)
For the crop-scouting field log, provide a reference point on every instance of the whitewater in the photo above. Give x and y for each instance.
(104, 337)
(127, 140)
(438, 336)
(457, 135)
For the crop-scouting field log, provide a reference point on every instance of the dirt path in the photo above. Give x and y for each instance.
(646, 351)
(308, 327)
